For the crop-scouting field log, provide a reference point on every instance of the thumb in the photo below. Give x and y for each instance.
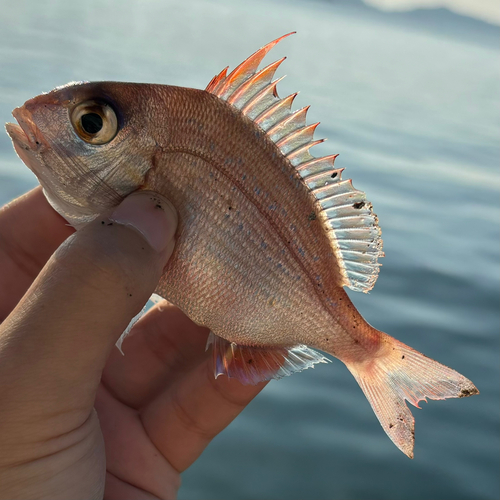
(95, 283)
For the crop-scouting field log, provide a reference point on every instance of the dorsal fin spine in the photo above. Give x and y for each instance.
(309, 164)
(281, 108)
(305, 147)
(253, 85)
(245, 69)
(295, 120)
(346, 215)
(262, 100)
(317, 166)
(216, 79)
(324, 178)
(324, 174)
(297, 138)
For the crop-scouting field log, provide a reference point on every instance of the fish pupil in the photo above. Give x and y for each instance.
(91, 123)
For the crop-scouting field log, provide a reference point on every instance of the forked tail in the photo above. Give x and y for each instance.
(401, 373)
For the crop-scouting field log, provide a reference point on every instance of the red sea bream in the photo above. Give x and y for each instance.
(268, 234)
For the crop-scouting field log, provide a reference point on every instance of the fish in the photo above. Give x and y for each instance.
(268, 237)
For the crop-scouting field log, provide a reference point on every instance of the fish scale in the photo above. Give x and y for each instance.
(255, 167)
(223, 240)
(268, 234)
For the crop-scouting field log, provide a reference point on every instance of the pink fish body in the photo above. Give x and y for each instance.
(268, 234)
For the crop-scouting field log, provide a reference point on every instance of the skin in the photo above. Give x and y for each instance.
(107, 426)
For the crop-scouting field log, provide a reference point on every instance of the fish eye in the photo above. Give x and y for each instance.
(94, 122)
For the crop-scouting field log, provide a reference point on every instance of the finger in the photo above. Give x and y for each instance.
(162, 346)
(130, 453)
(30, 232)
(63, 328)
(187, 416)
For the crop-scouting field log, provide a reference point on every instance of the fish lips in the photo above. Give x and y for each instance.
(28, 140)
(27, 135)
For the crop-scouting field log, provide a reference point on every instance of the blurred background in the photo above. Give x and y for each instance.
(408, 93)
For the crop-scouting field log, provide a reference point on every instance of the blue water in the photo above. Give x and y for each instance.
(413, 111)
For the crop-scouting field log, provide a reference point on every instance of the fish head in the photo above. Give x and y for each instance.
(88, 144)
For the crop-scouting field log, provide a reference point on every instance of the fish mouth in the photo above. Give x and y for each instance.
(26, 135)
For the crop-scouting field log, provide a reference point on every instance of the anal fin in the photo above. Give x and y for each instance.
(254, 364)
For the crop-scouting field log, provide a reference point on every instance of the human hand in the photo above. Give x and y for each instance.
(156, 409)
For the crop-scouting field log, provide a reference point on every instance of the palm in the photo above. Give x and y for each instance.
(159, 405)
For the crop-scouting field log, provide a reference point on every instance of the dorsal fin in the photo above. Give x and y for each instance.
(348, 218)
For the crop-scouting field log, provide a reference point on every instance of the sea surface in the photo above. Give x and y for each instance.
(411, 104)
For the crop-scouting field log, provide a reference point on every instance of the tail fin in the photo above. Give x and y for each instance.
(403, 373)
